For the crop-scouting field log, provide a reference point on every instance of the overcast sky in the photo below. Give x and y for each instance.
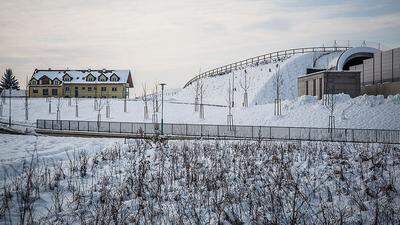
(170, 40)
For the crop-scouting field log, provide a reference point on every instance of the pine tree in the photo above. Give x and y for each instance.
(9, 81)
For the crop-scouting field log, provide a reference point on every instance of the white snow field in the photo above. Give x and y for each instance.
(72, 180)
(361, 112)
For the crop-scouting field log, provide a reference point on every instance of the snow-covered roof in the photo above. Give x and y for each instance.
(79, 76)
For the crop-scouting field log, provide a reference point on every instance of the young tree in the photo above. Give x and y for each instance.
(76, 108)
(155, 106)
(26, 99)
(108, 108)
(145, 99)
(202, 91)
(245, 85)
(329, 101)
(58, 116)
(8, 81)
(100, 106)
(278, 83)
(49, 101)
(229, 117)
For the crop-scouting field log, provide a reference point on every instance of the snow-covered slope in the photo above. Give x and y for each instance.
(261, 77)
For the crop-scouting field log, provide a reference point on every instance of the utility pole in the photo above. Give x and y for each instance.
(162, 108)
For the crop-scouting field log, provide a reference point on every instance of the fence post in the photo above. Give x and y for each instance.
(289, 133)
(78, 126)
(109, 127)
(252, 132)
(60, 124)
(120, 127)
(217, 130)
(52, 124)
(352, 135)
(88, 129)
(186, 130)
(309, 134)
(201, 130)
(69, 124)
(376, 135)
(172, 129)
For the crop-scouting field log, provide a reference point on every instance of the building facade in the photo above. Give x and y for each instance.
(329, 82)
(380, 75)
(80, 83)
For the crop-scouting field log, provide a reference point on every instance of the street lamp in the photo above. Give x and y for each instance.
(162, 108)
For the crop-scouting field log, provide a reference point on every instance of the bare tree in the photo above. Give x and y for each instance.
(76, 108)
(329, 101)
(108, 108)
(229, 117)
(100, 105)
(49, 100)
(233, 90)
(145, 100)
(155, 105)
(202, 91)
(26, 99)
(278, 83)
(156, 97)
(245, 85)
(58, 115)
(126, 95)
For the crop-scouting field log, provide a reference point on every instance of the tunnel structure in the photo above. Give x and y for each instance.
(354, 56)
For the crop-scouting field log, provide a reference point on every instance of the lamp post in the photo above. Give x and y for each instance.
(162, 108)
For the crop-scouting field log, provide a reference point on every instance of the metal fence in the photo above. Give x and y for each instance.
(227, 132)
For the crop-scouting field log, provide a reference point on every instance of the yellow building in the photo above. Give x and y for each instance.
(80, 83)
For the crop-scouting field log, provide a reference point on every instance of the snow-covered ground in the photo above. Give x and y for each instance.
(361, 112)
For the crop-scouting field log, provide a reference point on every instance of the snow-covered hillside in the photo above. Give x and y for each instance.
(261, 77)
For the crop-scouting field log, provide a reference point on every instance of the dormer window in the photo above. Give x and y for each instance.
(102, 78)
(56, 81)
(33, 82)
(67, 77)
(90, 77)
(114, 78)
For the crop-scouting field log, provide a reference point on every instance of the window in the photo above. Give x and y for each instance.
(56, 82)
(114, 97)
(90, 77)
(76, 88)
(89, 88)
(83, 88)
(45, 80)
(114, 89)
(103, 88)
(45, 92)
(320, 87)
(102, 78)
(307, 87)
(35, 91)
(33, 82)
(314, 84)
(67, 77)
(54, 92)
(66, 88)
(114, 78)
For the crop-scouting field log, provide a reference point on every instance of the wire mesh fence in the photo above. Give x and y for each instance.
(226, 131)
